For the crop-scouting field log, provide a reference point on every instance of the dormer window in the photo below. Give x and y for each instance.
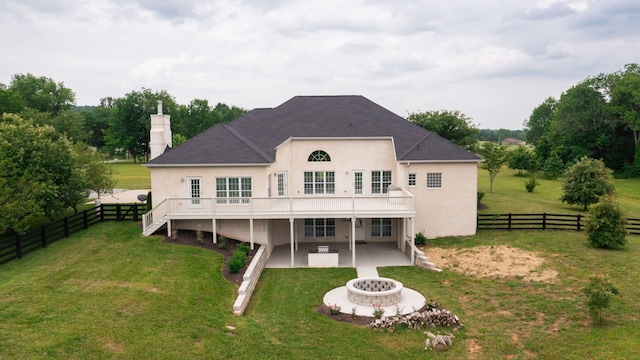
(318, 156)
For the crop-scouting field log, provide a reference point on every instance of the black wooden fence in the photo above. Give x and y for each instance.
(39, 237)
(542, 221)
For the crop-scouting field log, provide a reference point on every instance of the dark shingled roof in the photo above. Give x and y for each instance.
(253, 138)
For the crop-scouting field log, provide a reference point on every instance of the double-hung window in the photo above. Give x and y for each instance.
(233, 190)
(380, 181)
(412, 179)
(434, 180)
(195, 191)
(319, 182)
(380, 227)
(319, 228)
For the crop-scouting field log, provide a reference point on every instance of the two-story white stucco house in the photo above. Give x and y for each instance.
(321, 169)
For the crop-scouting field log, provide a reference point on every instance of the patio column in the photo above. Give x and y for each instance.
(413, 236)
(251, 232)
(352, 242)
(214, 227)
(403, 237)
(291, 234)
(168, 228)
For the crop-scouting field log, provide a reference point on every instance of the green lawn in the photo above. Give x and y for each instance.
(510, 195)
(108, 292)
(130, 175)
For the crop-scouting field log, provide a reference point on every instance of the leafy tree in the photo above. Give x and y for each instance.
(625, 101)
(522, 159)
(96, 122)
(42, 93)
(599, 293)
(177, 139)
(37, 165)
(97, 174)
(539, 121)
(553, 167)
(130, 123)
(586, 181)
(451, 125)
(10, 101)
(494, 156)
(503, 134)
(192, 119)
(606, 224)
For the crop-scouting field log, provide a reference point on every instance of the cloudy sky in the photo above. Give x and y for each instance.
(494, 60)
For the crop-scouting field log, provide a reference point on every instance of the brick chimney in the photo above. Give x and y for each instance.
(160, 136)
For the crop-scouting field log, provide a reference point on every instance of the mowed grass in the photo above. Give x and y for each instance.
(110, 293)
(130, 175)
(510, 196)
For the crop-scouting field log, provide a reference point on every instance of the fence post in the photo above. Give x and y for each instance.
(101, 210)
(135, 212)
(84, 218)
(118, 212)
(544, 221)
(509, 227)
(66, 226)
(43, 236)
(579, 217)
(18, 246)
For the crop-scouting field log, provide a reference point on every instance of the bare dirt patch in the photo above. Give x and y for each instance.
(493, 262)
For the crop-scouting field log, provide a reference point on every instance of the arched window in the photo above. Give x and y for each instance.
(319, 155)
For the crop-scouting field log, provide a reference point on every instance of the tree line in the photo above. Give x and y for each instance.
(599, 118)
(52, 153)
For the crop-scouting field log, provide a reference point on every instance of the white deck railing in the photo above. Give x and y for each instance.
(292, 206)
(399, 203)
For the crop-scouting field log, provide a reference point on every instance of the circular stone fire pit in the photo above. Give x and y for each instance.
(368, 291)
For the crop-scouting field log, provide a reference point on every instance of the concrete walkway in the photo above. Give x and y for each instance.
(122, 196)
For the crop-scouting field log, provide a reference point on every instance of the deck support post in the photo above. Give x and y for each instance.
(291, 234)
(353, 241)
(413, 246)
(214, 229)
(251, 232)
(168, 227)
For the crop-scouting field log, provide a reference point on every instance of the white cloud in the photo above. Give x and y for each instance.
(493, 60)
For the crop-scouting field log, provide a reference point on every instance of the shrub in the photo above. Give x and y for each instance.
(480, 196)
(244, 248)
(420, 239)
(334, 309)
(606, 224)
(237, 261)
(222, 242)
(599, 293)
(531, 184)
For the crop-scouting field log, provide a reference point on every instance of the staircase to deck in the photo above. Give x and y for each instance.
(154, 219)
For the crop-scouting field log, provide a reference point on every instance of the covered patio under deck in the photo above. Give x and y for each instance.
(370, 254)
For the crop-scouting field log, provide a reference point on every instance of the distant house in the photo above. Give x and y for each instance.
(323, 169)
(512, 141)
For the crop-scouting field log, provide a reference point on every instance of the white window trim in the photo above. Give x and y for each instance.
(315, 183)
(415, 179)
(362, 182)
(195, 200)
(383, 189)
(382, 225)
(281, 175)
(227, 199)
(428, 181)
(325, 226)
